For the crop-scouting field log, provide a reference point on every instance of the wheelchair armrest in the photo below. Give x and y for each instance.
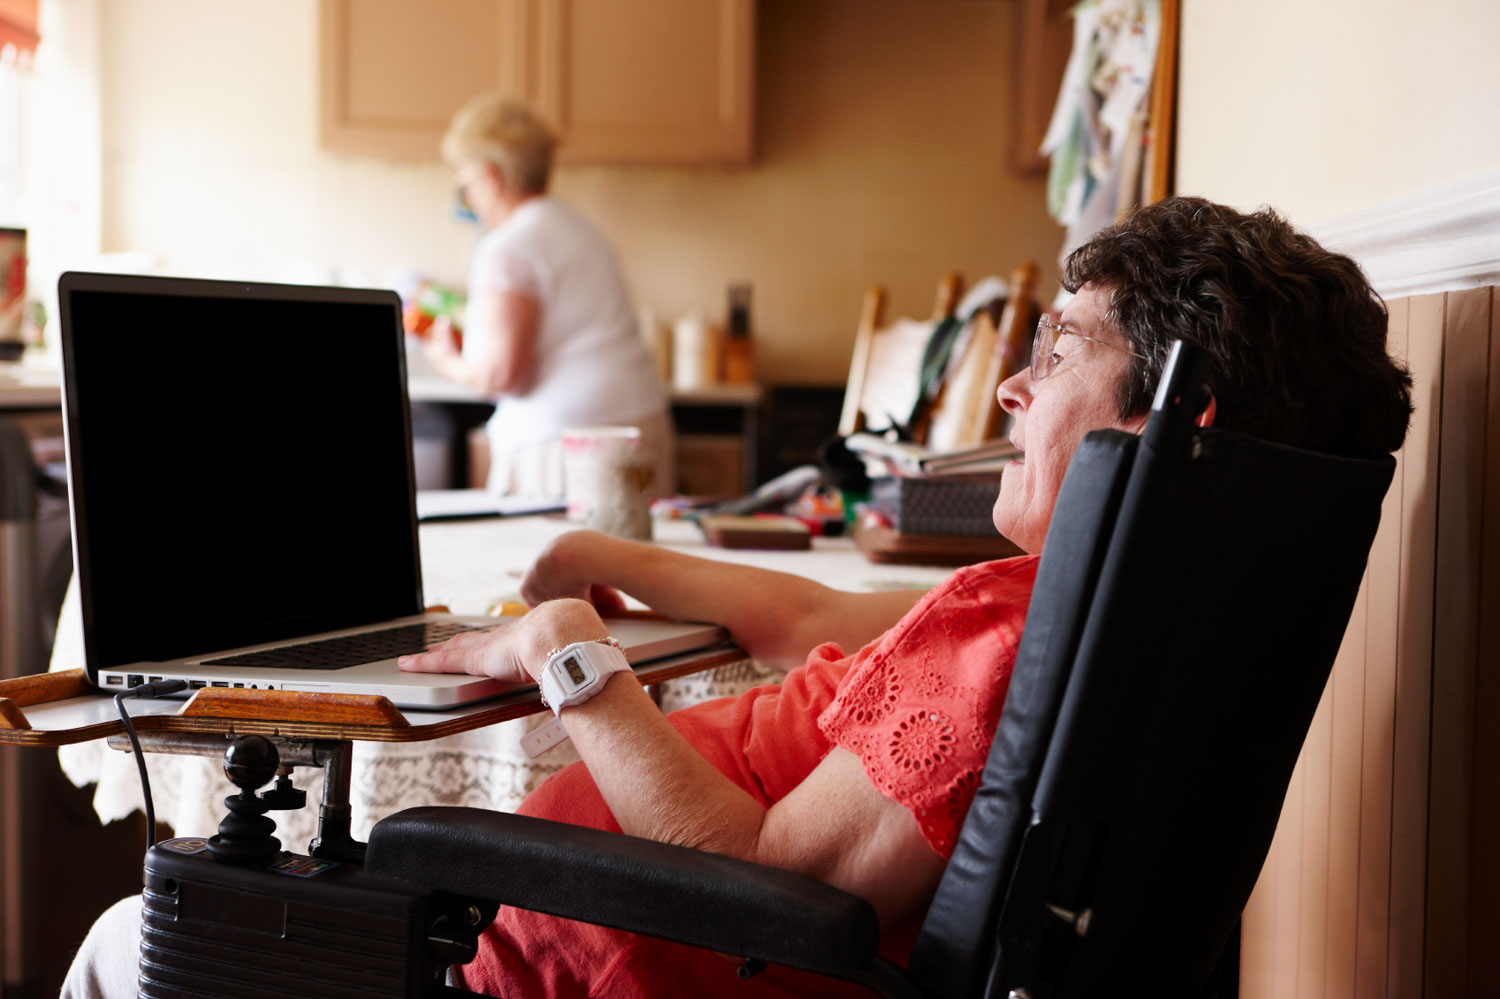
(628, 883)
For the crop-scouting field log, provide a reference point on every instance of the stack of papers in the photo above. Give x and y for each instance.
(905, 458)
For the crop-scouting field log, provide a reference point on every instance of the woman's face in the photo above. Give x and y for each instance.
(484, 190)
(1052, 416)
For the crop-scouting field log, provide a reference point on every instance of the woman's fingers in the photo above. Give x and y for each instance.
(605, 597)
(479, 653)
(445, 660)
(468, 639)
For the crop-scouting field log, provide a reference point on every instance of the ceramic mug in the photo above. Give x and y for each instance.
(607, 479)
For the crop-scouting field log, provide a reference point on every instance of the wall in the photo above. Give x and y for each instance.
(1381, 878)
(1326, 108)
(57, 197)
(882, 130)
(1374, 118)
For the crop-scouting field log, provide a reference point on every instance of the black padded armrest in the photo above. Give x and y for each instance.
(628, 883)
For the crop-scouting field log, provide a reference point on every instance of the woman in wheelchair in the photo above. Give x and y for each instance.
(860, 767)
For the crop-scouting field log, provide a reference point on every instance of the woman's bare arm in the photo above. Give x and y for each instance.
(834, 826)
(504, 327)
(775, 616)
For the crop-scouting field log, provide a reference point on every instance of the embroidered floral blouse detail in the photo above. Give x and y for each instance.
(920, 706)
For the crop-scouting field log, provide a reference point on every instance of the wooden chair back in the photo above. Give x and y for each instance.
(966, 411)
(887, 359)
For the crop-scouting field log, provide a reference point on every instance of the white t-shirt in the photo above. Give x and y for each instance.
(591, 366)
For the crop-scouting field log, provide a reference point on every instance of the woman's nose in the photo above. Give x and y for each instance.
(1014, 394)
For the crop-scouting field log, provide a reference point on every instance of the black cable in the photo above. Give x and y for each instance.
(157, 689)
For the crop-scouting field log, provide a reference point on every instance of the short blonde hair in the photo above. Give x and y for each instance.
(494, 129)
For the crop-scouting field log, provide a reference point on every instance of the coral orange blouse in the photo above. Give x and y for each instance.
(919, 706)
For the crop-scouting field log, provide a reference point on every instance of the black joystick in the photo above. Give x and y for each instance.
(245, 834)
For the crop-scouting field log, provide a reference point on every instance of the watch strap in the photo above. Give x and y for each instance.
(543, 738)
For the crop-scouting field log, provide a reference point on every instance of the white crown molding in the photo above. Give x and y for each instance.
(1441, 240)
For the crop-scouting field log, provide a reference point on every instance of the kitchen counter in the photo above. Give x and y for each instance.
(28, 386)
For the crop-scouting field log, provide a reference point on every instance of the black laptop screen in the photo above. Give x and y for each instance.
(241, 463)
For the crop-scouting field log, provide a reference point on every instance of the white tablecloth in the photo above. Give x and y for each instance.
(466, 565)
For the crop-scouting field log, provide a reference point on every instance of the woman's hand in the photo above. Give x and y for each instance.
(562, 571)
(440, 342)
(491, 652)
(515, 652)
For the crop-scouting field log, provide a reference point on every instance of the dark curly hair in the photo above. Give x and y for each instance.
(1295, 334)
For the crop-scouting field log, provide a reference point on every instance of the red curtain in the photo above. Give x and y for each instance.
(18, 24)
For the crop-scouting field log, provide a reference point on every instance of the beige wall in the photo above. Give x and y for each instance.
(881, 134)
(1325, 108)
(1382, 877)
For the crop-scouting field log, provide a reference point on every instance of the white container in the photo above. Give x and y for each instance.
(695, 354)
(590, 456)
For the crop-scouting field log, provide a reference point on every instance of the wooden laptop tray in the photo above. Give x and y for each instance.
(56, 709)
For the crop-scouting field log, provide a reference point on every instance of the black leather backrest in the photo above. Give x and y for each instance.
(1218, 613)
(955, 949)
(1179, 636)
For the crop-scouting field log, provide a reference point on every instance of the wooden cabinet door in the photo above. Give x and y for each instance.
(623, 81)
(394, 71)
(649, 81)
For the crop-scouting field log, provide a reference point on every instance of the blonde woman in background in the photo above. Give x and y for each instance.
(550, 331)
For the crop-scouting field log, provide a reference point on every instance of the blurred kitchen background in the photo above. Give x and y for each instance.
(807, 148)
(294, 140)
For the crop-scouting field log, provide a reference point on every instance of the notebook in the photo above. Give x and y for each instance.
(473, 504)
(241, 480)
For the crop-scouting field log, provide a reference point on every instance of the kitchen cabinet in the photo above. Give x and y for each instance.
(718, 433)
(623, 81)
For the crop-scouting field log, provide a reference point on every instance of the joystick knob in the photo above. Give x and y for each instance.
(251, 761)
(245, 834)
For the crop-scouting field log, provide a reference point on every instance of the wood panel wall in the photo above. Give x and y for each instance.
(1384, 872)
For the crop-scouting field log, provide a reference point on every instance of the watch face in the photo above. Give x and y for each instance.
(574, 669)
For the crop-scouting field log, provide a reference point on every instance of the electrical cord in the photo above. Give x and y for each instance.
(158, 689)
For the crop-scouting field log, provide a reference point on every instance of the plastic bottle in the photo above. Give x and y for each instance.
(739, 352)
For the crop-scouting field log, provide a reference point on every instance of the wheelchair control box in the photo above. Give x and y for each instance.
(296, 926)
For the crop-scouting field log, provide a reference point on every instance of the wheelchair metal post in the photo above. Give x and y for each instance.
(335, 815)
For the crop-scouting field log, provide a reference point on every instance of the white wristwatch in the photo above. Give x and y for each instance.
(572, 675)
(575, 673)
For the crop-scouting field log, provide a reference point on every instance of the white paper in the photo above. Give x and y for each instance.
(437, 504)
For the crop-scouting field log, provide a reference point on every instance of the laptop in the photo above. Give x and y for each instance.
(242, 492)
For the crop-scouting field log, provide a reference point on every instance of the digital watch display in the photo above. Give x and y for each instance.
(577, 672)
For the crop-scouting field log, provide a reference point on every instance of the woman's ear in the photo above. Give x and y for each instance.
(496, 179)
(1206, 418)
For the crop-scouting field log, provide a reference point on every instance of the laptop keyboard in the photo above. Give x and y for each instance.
(350, 650)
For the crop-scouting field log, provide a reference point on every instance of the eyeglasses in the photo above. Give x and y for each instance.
(462, 210)
(1044, 361)
(461, 207)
